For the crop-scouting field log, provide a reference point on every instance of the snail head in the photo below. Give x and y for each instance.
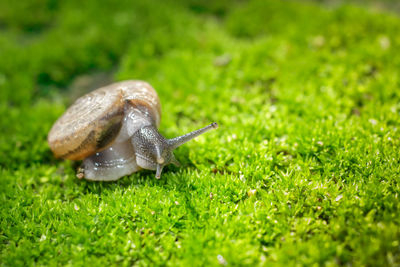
(153, 151)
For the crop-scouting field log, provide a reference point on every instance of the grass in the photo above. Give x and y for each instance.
(304, 169)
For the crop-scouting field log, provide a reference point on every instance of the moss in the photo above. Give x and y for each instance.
(303, 170)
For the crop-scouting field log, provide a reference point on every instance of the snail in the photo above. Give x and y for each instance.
(114, 130)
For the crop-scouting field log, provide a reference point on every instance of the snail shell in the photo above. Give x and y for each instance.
(95, 119)
(114, 130)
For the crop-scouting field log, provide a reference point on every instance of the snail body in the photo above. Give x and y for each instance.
(114, 130)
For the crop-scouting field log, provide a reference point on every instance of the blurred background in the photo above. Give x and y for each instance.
(50, 46)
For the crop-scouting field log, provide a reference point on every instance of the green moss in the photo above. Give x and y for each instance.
(304, 169)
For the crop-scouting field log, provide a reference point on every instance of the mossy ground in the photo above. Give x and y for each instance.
(303, 170)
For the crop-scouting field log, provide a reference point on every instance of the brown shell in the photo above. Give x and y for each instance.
(94, 120)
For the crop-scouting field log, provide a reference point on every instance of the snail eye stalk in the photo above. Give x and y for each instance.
(180, 140)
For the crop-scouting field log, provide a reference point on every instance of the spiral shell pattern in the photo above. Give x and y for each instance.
(94, 120)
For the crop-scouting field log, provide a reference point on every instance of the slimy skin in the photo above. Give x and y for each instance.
(110, 164)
